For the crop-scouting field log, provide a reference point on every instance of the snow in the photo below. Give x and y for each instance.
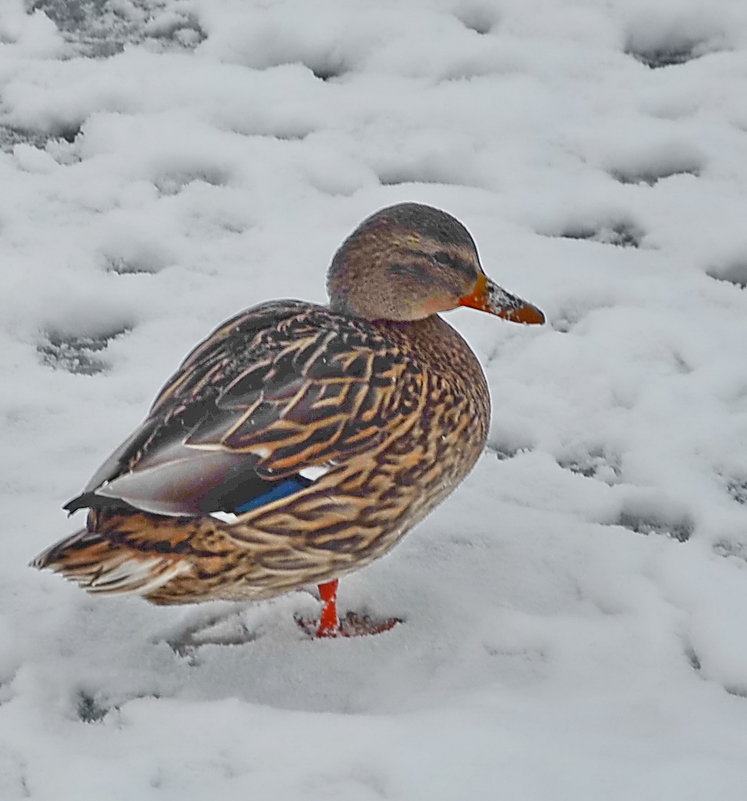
(573, 614)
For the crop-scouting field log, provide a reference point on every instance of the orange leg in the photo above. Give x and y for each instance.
(352, 625)
(329, 623)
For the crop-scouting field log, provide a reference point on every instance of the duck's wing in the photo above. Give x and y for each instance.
(278, 393)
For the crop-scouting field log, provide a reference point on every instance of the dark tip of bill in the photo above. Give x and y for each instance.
(528, 315)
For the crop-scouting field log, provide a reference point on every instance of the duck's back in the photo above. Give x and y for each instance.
(286, 387)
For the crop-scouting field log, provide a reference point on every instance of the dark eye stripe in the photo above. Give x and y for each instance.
(448, 260)
(421, 274)
(460, 265)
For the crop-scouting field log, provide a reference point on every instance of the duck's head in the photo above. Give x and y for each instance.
(409, 261)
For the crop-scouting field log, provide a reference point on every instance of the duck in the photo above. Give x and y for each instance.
(299, 442)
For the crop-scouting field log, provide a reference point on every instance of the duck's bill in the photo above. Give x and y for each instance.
(491, 298)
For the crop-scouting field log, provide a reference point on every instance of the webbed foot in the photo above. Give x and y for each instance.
(351, 625)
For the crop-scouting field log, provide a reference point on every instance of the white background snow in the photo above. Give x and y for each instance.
(576, 613)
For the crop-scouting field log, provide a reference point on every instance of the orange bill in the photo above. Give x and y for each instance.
(489, 297)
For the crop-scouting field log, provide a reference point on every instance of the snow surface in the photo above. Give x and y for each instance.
(575, 613)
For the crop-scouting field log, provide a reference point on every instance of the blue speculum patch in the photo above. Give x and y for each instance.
(288, 487)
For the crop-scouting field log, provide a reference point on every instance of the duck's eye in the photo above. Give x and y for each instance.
(442, 257)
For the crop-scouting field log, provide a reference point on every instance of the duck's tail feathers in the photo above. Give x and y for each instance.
(101, 565)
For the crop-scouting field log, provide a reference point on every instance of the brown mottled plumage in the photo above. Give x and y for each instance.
(373, 409)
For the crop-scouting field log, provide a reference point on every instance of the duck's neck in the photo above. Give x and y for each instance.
(442, 350)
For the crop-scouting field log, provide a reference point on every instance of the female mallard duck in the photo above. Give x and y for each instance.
(329, 432)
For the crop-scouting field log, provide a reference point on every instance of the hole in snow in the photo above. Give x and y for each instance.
(562, 325)
(67, 132)
(328, 69)
(431, 163)
(593, 462)
(76, 354)
(737, 489)
(417, 176)
(734, 272)
(11, 136)
(503, 450)
(693, 658)
(727, 548)
(653, 174)
(171, 183)
(572, 312)
(656, 58)
(180, 29)
(289, 136)
(678, 529)
(220, 628)
(660, 41)
(130, 247)
(738, 690)
(621, 233)
(651, 162)
(478, 18)
(132, 266)
(89, 710)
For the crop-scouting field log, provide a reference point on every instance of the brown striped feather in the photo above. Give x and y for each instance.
(399, 409)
